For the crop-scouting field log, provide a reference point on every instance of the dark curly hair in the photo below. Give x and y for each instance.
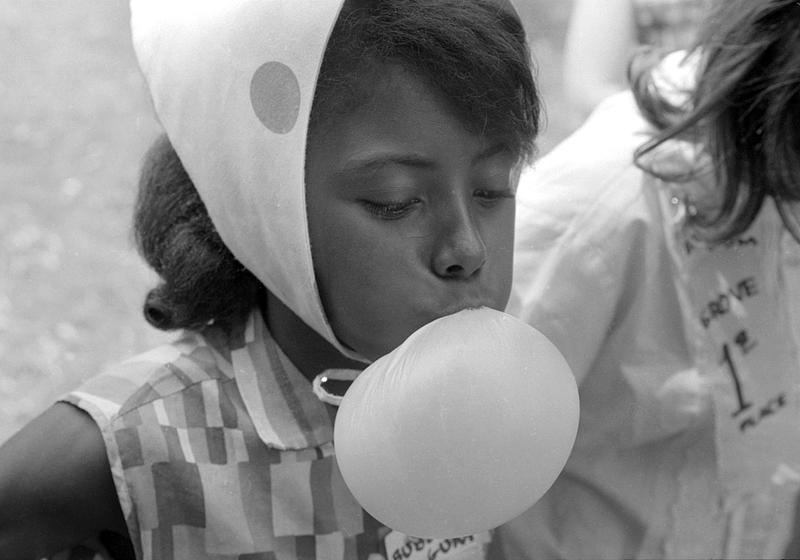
(200, 279)
(473, 52)
(744, 111)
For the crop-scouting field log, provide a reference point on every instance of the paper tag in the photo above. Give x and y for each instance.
(737, 317)
(402, 547)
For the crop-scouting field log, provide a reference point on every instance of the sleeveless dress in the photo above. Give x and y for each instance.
(220, 449)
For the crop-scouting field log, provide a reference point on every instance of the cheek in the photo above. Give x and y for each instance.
(369, 274)
(501, 231)
(367, 285)
(352, 262)
(334, 257)
(501, 255)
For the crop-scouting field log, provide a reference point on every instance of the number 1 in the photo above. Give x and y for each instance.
(737, 384)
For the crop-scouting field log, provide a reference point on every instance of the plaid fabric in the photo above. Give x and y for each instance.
(219, 449)
(671, 24)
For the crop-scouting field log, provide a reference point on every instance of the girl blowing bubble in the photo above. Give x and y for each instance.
(334, 175)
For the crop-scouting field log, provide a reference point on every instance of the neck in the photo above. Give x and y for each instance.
(308, 351)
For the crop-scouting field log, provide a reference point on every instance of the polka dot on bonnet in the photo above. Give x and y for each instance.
(232, 84)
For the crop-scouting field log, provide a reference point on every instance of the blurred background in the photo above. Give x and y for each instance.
(75, 121)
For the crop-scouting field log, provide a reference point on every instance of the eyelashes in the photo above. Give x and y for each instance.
(395, 209)
(390, 210)
(493, 196)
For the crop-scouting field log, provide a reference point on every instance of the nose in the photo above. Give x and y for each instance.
(460, 251)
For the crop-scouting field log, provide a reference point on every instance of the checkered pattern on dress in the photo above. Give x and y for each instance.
(219, 449)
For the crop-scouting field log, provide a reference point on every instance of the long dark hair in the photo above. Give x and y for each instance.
(744, 111)
(473, 52)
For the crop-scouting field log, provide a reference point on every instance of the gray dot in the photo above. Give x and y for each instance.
(275, 96)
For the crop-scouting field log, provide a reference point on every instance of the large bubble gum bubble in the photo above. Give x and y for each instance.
(461, 428)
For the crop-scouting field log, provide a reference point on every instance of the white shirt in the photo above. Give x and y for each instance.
(657, 465)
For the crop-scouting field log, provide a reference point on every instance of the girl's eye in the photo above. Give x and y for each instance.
(492, 197)
(390, 210)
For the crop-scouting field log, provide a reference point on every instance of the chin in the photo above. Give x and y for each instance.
(377, 349)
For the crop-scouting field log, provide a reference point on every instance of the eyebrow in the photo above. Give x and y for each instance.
(378, 160)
